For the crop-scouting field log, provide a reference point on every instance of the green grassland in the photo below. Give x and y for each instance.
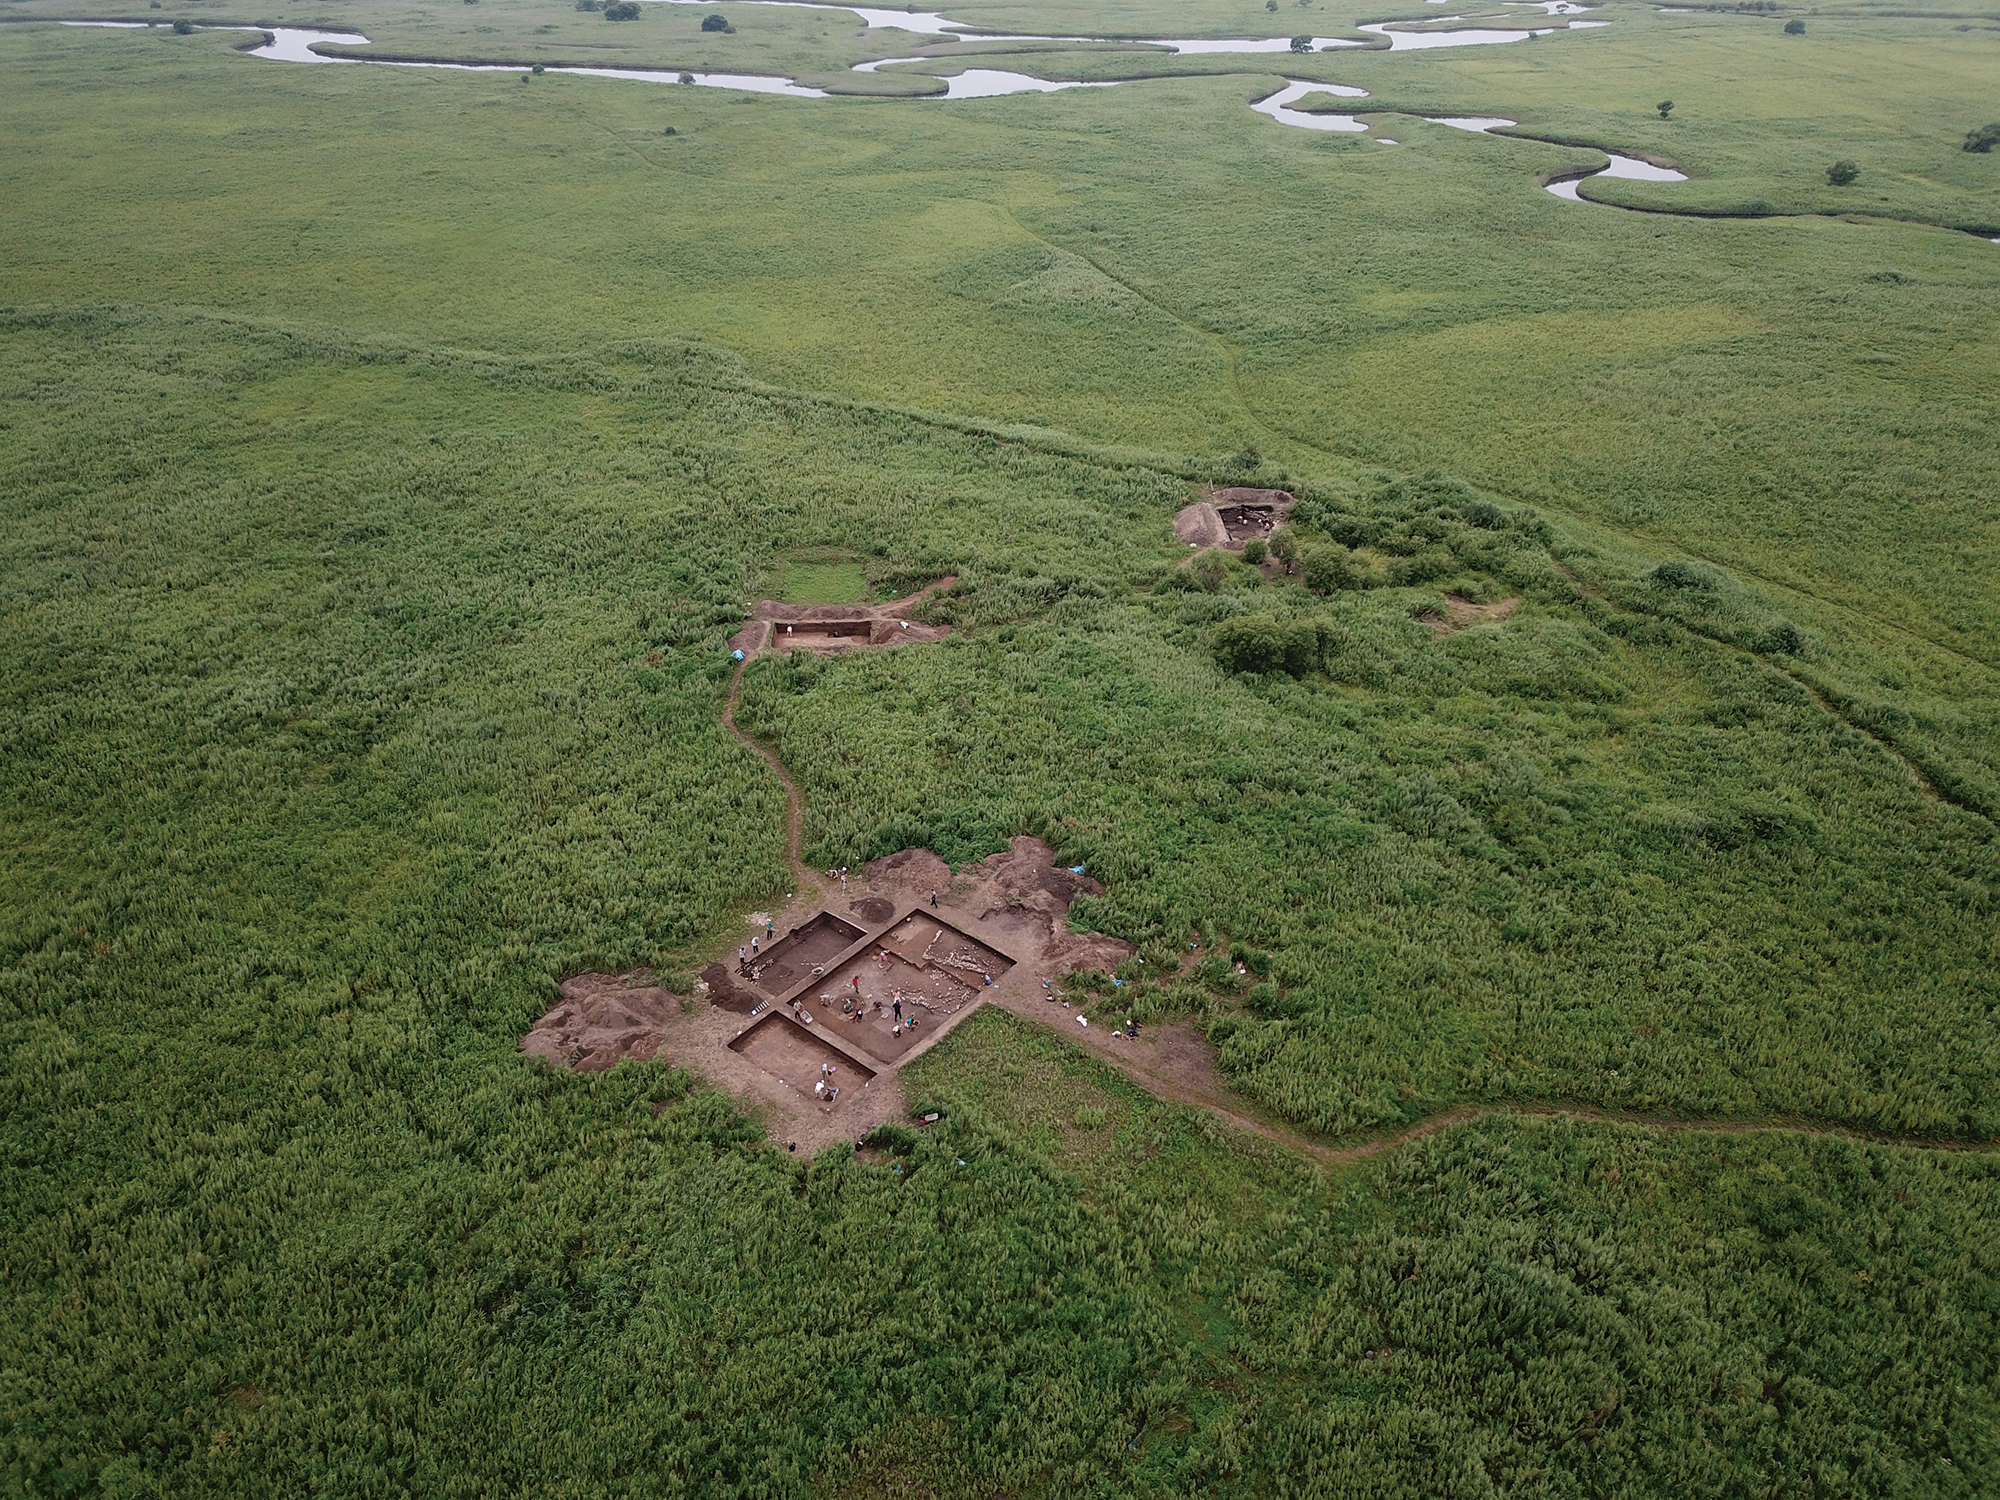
(823, 576)
(386, 457)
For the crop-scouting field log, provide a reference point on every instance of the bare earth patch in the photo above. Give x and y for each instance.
(1003, 920)
(1230, 517)
(1462, 614)
(781, 627)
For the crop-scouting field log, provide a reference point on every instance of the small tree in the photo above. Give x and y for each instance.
(1842, 172)
(1302, 44)
(1984, 139)
(183, 28)
(1254, 550)
(687, 78)
(1210, 571)
(1285, 547)
(715, 23)
(1665, 107)
(622, 10)
(1795, 28)
(1271, 6)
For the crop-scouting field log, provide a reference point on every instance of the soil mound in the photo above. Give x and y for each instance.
(727, 990)
(914, 871)
(601, 1020)
(874, 910)
(1024, 891)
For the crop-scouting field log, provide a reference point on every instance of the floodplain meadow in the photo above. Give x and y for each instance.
(386, 458)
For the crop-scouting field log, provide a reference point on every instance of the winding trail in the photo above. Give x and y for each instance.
(1172, 1063)
(807, 885)
(1460, 1114)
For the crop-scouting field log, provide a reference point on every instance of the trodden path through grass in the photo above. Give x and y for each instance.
(808, 883)
(1174, 1063)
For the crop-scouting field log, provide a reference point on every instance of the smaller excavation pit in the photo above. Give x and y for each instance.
(1229, 518)
(1242, 522)
(922, 971)
(821, 635)
(794, 958)
(835, 628)
(794, 1056)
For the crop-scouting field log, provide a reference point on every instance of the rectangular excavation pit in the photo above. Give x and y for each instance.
(818, 632)
(791, 1054)
(932, 968)
(789, 961)
(1244, 521)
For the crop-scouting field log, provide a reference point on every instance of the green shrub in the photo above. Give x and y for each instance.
(1984, 139)
(1261, 643)
(1329, 570)
(1674, 574)
(1842, 172)
(1255, 550)
(1425, 567)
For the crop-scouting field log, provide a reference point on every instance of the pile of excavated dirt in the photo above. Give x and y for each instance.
(601, 1020)
(873, 910)
(728, 989)
(1021, 892)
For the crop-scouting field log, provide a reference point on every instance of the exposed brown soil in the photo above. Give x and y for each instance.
(785, 1048)
(603, 1018)
(727, 989)
(840, 627)
(1230, 517)
(1021, 893)
(1462, 614)
(807, 948)
(873, 910)
(1004, 916)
